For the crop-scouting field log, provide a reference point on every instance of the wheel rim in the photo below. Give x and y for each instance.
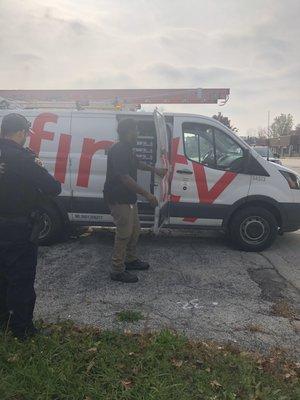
(46, 225)
(254, 230)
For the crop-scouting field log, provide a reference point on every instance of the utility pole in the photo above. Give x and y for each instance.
(268, 141)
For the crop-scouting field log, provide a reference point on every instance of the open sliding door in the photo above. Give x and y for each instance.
(162, 185)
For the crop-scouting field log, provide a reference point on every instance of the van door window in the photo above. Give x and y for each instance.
(212, 147)
(199, 143)
(229, 154)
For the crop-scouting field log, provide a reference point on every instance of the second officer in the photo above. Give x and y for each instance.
(22, 181)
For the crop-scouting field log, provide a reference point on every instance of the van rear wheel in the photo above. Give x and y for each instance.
(253, 229)
(51, 229)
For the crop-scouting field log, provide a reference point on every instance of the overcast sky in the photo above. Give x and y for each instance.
(250, 46)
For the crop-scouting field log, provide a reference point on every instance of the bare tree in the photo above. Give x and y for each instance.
(225, 121)
(262, 132)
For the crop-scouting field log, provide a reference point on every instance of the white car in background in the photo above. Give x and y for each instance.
(267, 154)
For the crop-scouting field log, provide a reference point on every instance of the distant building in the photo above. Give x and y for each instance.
(255, 141)
(286, 146)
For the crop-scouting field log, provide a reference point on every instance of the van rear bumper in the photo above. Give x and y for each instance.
(290, 216)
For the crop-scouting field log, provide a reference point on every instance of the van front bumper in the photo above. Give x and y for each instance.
(290, 213)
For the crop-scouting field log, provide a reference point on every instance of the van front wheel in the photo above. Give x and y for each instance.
(253, 229)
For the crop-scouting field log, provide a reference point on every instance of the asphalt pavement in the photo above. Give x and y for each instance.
(197, 285)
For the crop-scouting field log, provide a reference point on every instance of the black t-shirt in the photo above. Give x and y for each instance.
(121, 160)
(22, 181)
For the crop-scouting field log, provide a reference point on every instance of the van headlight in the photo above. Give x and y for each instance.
(292, 179)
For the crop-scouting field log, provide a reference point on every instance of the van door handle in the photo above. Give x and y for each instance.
(184, 171)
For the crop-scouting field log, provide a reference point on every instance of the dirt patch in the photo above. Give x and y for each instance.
(284, 309)
(270, 282)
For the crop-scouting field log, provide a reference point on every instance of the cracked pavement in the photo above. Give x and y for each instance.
(197, 285)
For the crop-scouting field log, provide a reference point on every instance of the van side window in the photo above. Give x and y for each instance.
(212, 147)
(199, 143)
(229, 154)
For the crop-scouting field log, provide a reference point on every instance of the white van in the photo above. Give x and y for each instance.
(215, 180)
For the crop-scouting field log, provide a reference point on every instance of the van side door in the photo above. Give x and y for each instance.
(207, 172)
(162, 185)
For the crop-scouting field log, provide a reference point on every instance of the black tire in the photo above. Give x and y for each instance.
(51, 225)
(253, 229)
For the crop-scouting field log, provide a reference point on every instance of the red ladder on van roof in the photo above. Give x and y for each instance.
(95, 98)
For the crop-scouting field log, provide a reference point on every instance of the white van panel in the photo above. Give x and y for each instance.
(274, 186)
(92, 135)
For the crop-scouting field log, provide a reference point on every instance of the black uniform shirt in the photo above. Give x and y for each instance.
(22, 181)
(121, 160)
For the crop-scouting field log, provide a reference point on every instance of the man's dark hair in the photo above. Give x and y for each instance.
(126, 126)
(13, 123)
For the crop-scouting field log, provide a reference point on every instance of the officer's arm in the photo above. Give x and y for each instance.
(38, 176)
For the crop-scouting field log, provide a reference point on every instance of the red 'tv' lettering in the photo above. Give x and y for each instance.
(89, 148)
(39, 133)
(175, 157)
(209, 196)
(62, 157)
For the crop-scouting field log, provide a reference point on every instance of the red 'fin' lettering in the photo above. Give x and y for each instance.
(89, 148)
(39, 133)
(62, 157)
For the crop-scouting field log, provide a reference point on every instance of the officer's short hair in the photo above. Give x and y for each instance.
(13, 123)
(126, 126)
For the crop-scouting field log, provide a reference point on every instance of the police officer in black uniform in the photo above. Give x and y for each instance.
(22, 181)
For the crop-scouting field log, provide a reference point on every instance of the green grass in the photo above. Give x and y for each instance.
(86, 364)
(130, 316)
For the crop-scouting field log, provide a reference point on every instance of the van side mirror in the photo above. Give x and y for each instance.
(246, 153)
(252, 166)
(247, 160)
(240, 164)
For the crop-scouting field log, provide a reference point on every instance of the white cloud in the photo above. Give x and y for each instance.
(251, 47)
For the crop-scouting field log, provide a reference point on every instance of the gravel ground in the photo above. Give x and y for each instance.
(197, 285)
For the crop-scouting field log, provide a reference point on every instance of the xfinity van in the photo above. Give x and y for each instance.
(214, 181)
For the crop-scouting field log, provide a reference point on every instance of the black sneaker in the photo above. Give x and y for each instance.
(27, 334)
(4, 319)
(125, 277)
(137, 265)
(3, 324)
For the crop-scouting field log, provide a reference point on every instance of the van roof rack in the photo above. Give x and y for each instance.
(117, 99)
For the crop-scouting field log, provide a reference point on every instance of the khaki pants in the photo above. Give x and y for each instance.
(127, 235)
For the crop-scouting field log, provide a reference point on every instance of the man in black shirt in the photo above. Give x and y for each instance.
(120, 192)
(22, 181)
